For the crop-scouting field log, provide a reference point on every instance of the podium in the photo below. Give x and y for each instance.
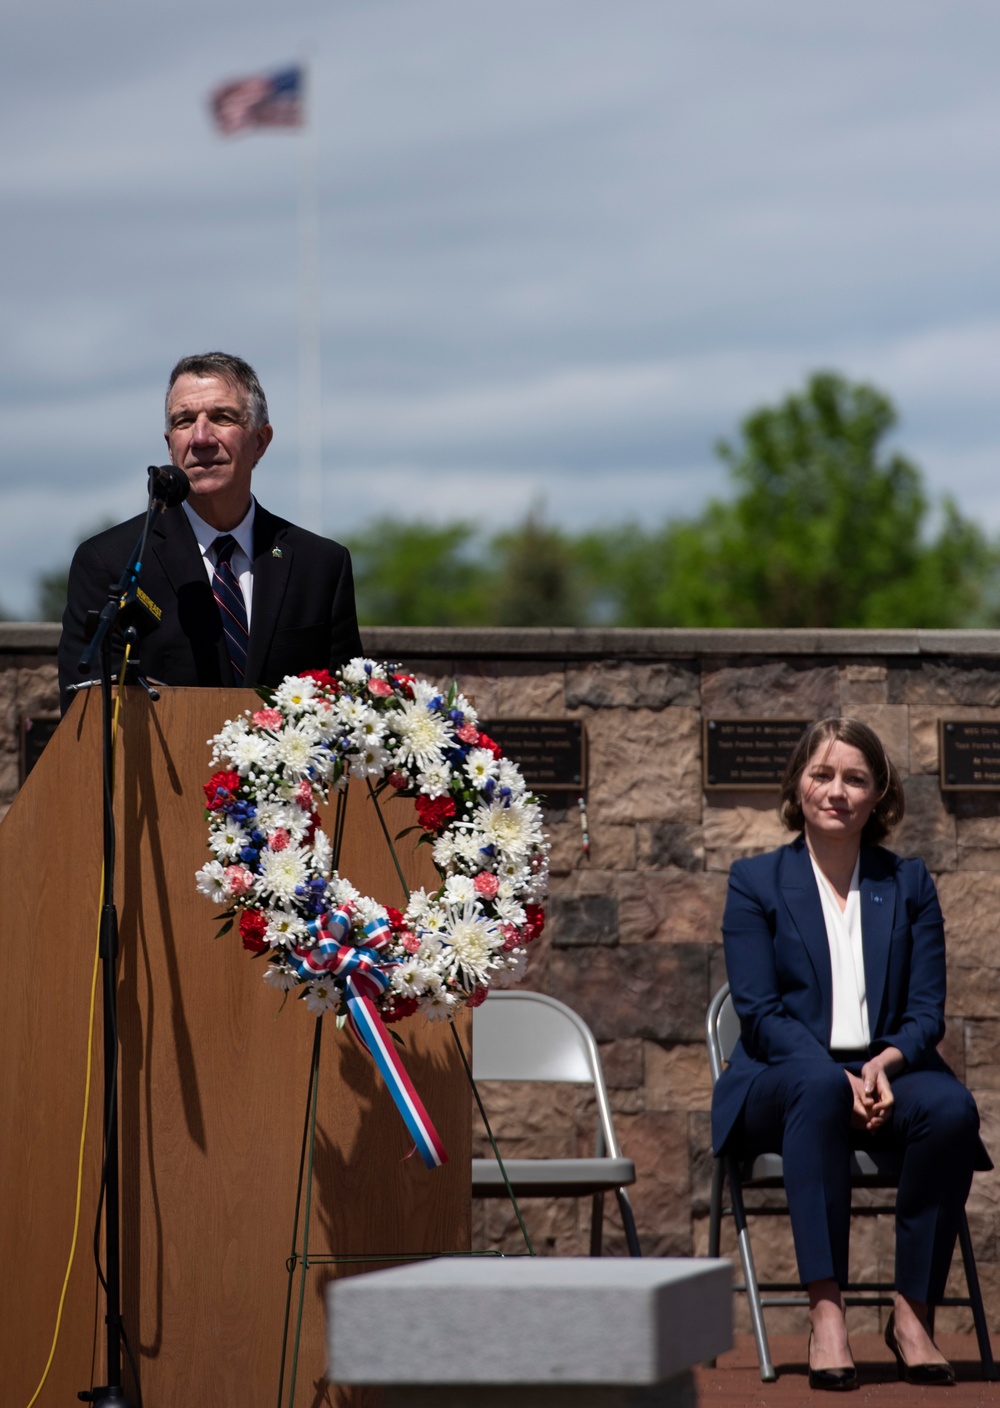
(213, 1080)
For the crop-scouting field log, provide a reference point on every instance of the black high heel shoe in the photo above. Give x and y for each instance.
(939, 1375)
(834, 1380)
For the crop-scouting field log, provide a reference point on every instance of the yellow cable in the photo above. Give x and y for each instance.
(86, 1093)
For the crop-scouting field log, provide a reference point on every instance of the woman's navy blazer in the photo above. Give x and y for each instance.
(778, 963)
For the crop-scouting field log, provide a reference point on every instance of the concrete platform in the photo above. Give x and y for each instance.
(560, 1331)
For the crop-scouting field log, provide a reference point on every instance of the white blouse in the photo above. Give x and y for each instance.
(849, 1031)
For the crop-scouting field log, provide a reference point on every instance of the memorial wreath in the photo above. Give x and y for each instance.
(274, 866)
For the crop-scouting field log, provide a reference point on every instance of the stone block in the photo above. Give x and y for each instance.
(628, 1321)
(982, 1067)
(583, 921)
(670, 907)
(657, 991)
(678, 1077)
(664, 844)
(657, 1143)
(9, 740)
(477, 680)
(946, 683)
(952, 1045)
(925, 748)
(529, 690)
(970, 903)
(770, 689)
(862, 684)
(555, 1226)
(38, 689)
(628, 684)
(623, 1063)
(928, 829)
(743, 823)
(700, 1165)
(972, 992)
(611, 847)
(892, 724)
(10, 776)
(644, 765)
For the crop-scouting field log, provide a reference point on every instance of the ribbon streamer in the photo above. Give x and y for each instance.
(364, 978)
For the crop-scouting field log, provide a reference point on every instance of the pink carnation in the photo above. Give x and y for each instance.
(267, 718)
(511, 937)
(304, 795)
(468, 733)
(410, 942)
(279, 839)
(381, 688)
(486, 885)
(239, 880)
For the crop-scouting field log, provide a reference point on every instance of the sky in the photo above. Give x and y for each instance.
(565, 245)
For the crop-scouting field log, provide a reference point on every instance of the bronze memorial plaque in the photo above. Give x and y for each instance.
(970, 756)
(748, 754)
(551, 753)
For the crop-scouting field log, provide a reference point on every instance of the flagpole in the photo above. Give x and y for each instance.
(310, 328)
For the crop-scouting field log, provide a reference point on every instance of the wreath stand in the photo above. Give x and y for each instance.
(210, 1108)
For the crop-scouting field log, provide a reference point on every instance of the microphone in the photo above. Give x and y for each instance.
(168, 485)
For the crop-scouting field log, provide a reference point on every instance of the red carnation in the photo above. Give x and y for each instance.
(401, 1007)
(221, 787)
(322, 678)
(534, 921)
(395, 916)
(434, 812)
(486, 742)
(253, 927)
(476, 997)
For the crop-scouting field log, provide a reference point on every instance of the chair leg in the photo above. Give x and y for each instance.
(715, 1208)
(596, 1223)
(976, 1297)
(767, 1370)
(628, 1222)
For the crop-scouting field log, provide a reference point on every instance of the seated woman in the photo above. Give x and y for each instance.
(835, 956)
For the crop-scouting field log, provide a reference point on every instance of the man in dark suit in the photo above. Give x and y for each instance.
(245, 597)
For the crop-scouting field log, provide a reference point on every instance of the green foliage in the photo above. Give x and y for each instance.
(51, 598)
(826, 527)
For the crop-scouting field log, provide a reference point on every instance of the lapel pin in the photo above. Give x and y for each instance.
(876, 899)
(275, 552)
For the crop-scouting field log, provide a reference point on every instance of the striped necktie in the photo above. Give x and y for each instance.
(229, 594)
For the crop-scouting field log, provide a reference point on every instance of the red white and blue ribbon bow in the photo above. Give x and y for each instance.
(361, 970)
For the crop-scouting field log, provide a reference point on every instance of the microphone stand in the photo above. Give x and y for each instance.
(111, 1394)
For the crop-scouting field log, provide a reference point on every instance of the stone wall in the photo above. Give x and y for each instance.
(632, 940)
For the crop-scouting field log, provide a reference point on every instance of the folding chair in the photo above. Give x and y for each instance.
(868, 1170)
(527, 1036)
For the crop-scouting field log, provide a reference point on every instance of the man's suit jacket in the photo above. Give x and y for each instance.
(303, 614)
(778, 964)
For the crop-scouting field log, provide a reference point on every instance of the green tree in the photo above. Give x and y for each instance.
(828, 528)
(537, 578)
(415, 574)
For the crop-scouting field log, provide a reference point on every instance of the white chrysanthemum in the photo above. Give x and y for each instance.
(341, 891)
(293, 695)
(438, 1004)
(424, 735)
(473, 938)
(227, 840)
(418, 905)
(510, 775)
(512, 829)
(280, 977)
(251, 752)
(481, 766)
(284, 816)
(229, 734)
(322, 852)
(514, 876)
(284, 929)
(411, 978)
(354, 671)
(211, 882)
(509, 911)
(281, 872)
(464, 707)
(459, 889)
(321, 995)
(469, 847)
(356, 715)
(509, 968)
(371, 760)
(298, 750)
(444, 849)
(434, 781)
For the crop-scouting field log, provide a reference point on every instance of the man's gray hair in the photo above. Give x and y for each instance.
(229, 368)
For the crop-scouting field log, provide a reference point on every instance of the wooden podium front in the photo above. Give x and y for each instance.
(213, 1088)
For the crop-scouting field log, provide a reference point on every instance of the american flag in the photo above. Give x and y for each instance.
(269, 100)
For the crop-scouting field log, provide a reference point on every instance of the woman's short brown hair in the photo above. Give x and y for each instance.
(891, 802)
